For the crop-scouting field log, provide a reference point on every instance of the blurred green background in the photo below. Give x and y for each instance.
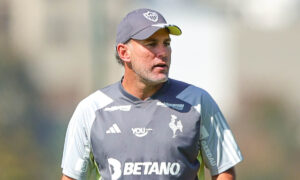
(53, 53)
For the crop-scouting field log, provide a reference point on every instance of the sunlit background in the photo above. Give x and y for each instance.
(53, 53)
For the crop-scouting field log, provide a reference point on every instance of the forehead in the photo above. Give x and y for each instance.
(160, 34)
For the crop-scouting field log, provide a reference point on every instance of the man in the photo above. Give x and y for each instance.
(148, 126)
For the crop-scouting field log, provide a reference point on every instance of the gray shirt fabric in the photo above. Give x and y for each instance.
(119, 136)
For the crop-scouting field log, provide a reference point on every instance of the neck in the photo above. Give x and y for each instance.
(139, 88)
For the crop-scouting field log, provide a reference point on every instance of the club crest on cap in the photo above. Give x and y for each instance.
(152, 16)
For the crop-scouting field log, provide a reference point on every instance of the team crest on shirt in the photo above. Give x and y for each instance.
(175, 125)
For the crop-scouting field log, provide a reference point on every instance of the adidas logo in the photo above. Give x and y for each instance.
(114, 129)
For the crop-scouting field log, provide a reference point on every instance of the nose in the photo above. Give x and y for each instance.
(162, 51)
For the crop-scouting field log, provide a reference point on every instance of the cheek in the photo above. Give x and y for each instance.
(146, 55)
(169, 51)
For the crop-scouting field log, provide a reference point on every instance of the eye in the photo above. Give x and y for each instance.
(167, 43)
(151, 44)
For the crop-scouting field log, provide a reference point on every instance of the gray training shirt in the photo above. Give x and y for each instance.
(118, 136)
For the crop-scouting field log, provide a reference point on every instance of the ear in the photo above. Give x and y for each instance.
(124, 52)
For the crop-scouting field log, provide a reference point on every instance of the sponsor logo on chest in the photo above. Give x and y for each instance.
(142, 168)
(170, 105)
(118, 108)
(140, 132)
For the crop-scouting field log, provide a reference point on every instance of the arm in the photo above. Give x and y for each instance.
(218, 146)
(64, 177)
(227, 175)
(76, 154)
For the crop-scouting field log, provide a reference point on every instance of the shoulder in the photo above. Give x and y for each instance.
(98, 99)
(188, 91)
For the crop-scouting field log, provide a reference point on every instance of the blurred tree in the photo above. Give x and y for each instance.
(27, 130)
(270, 147)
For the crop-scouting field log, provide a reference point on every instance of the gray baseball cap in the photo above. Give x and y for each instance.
(141, 24)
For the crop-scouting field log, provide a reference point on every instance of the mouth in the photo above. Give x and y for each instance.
(160, 66)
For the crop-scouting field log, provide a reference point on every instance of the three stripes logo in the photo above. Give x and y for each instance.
(114, 129)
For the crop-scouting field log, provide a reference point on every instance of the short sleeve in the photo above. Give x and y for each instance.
(76, 162)
(218, 146)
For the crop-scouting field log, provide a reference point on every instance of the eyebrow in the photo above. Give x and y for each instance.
(151, 40)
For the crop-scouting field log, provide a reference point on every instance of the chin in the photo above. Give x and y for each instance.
(158, 80)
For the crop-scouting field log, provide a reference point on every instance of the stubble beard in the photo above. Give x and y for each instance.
(150, 78)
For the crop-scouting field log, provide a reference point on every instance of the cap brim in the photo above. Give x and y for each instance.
(147, 32)
(173, 29)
